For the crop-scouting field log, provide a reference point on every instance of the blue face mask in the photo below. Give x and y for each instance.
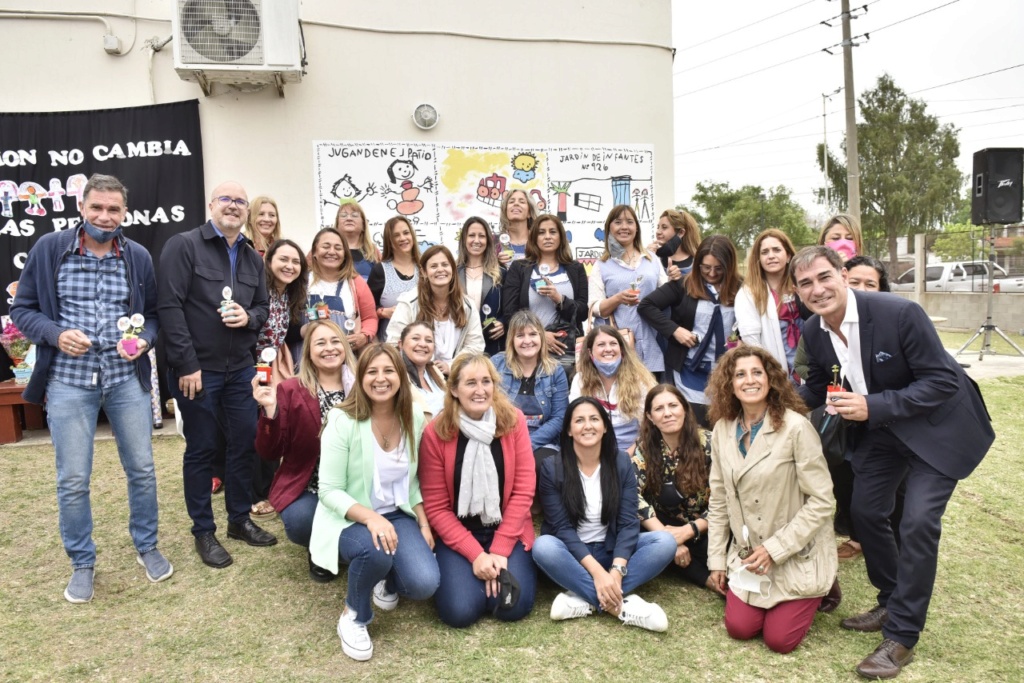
(608, 368)
(101, 236)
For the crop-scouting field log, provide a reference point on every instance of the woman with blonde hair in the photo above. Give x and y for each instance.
(770, 512)
(439, 300)
(534, 381)
(417, 348)
(609, 371)
(625, 274)
(396, 273)
(292, 414)
(335, 285)
(515, 217)
(478, 478)
(370, 505)
(767, 307)
(841, 233)
(481, 276)
(351, 223)
(263, 227)
(677, 237)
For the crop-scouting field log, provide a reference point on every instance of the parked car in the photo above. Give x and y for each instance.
(960, 276)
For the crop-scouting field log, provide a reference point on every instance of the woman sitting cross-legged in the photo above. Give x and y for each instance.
(591, 544)
(370, 510)
(291, 415)
(477, 472)
(535, 382)
(770, 514)
(672, 460)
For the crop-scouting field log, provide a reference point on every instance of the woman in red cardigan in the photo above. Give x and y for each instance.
(477, 477)
(291, 414)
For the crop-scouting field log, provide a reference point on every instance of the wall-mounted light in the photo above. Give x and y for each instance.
(425, 116)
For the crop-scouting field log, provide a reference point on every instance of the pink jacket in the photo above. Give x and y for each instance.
(437, 484)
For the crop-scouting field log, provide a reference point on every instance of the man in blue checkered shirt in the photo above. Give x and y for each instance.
(75, 287)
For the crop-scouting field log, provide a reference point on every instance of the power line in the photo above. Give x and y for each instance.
(969, 78)
(897, 23)
(735, 30)
(751, 73)
(977, 111)
(746, 49)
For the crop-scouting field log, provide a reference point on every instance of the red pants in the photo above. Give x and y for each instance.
(783, 625)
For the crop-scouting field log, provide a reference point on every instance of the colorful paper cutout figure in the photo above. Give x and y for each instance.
(8, 195)
(56, 195)
(76, 186)
(32, 193)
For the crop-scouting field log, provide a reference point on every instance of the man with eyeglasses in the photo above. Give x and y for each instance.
(212, 303)
(77, 284)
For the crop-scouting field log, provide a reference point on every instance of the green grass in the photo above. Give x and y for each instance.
(954, 339)
(262, 619)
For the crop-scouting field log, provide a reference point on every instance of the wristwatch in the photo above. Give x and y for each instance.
(620, 568)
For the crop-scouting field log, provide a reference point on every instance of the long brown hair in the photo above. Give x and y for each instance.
(633, 379)
(781, 393)
(260, 242)
(348, 268)
(691, 474)
(307, 373)
(722, 249)
(563, 255)
(428, 307)
(491, 265)
(297, 289)
(638, 245)
(683, 221)
(430, 369)
(358, 405)
(447, 423)
(756, 280)
(521, 320)
(388, 238)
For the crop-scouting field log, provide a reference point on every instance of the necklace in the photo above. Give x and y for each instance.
(384, 437)
(743, 421)
(473, 267)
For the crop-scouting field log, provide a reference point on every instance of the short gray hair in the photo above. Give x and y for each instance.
(105, 183)
(806, 256)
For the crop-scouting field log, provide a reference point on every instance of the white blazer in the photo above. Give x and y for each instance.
(760, 330)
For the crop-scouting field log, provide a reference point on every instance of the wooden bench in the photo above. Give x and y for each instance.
(12, 408)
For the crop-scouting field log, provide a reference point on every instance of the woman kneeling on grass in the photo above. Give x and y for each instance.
(769, 518)
(591, 544)
(370, 511)
(476, 465)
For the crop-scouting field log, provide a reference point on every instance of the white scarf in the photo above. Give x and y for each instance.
(478, 490)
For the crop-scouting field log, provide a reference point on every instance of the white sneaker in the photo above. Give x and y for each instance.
(638, 612)
(386, 601)
(355, 639)
(568, 605)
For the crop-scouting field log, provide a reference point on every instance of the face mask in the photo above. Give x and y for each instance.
(101, 236)
(608, 369)
(743, 580)
(846, 248)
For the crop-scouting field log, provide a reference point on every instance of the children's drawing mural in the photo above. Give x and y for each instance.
(437, 186)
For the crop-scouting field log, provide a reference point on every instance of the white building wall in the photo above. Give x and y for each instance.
(363, 85)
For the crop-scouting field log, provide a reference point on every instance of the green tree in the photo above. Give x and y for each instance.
(740, 214)
(909, 182)
(957, 242)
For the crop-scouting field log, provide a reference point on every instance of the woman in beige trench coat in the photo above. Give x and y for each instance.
(769, 517)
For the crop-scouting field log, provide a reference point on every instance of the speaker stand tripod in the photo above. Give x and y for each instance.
(988, 327)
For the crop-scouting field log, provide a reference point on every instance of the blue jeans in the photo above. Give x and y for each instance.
(654, 551)
(224, 419)
(411, 571)
(462, 598)
(71, 414)
(298, 518)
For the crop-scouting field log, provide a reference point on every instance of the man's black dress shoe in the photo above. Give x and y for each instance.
(250, 533)
(212, 552)
(319, 574)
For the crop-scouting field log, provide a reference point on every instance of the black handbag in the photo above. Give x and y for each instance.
(832, 430)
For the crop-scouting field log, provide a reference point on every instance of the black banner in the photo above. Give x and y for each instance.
(45, 160)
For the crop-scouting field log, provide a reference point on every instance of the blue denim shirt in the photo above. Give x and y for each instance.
(551, 392)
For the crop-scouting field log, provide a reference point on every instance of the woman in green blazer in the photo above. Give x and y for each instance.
(370, 511)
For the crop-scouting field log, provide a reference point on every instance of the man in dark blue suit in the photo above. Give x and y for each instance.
(917, 413)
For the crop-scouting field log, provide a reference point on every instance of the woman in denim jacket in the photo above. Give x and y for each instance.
(534, 381)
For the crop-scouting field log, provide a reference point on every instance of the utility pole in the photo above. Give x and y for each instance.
(824, 145)
(852, 160)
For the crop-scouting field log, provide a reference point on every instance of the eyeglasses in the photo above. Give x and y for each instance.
(707, 270)
(237, 201)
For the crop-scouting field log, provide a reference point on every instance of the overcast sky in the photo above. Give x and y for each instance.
(742, 121)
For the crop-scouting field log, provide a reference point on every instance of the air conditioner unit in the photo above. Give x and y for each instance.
(238, 42)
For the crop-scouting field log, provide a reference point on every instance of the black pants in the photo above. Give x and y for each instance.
(842, 488)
